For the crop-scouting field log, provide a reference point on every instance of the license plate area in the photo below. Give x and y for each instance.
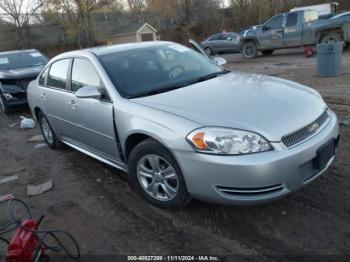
(324, 154)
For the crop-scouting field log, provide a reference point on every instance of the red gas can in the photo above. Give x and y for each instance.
(25, 245)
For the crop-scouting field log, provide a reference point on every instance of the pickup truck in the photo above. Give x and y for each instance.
(294, 29)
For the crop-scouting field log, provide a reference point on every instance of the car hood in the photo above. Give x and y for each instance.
(21, 73)
(270, 106)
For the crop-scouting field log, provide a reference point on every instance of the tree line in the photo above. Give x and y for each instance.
(79, 21)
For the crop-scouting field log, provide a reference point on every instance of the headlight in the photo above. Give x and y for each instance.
(8, 96)
(226, 141)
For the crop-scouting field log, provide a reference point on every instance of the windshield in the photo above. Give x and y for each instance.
(21, 60)
(151, 70)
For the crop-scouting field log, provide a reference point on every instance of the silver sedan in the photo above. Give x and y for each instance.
(222, 43)
(184, 127)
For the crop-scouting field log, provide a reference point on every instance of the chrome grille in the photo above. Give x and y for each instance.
(302, 134)
(250, 192)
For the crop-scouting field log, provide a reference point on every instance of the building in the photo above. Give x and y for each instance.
(134, 32)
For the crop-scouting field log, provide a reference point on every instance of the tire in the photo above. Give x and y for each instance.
(4, 108)
(208, 51)
(47, 132)
(149, 165)
(331, 38)
(249, 50)
(267, 52)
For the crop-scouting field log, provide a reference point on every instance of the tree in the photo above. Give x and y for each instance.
(19, 12)
(76, 17)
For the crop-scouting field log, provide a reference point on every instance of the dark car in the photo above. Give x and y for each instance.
(17, 70)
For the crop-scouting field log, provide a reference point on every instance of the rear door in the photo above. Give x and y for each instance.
(54, 96)
(293, 30)
(93, 118)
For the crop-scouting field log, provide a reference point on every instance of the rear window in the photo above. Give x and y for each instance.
(42, 77)
(310, 16)
(292, 19)
(58, 74)
(21, 60)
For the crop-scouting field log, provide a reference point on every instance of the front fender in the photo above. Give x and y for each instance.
(168, 129)
(251, 38)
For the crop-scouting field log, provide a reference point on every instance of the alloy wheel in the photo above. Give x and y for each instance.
(47, 131)
(157, 177)
(249, 50)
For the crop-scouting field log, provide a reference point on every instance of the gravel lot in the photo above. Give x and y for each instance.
(95, 203)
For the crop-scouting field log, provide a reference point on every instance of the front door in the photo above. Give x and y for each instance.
(94, 126)
(272, 33)
(293, 30)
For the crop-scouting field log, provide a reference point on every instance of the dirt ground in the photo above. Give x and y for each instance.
(95, 203)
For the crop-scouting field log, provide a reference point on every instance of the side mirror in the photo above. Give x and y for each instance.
(220, 60)
(88, 92)
(265, 28)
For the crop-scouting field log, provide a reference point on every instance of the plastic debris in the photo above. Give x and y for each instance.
(344, 122)
(39, 189)
(6, 197)
(39, 146)
(37, 138)
(7, 179)
(27, 123)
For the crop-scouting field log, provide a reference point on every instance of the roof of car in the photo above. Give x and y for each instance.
(18, 51)
(102, 50)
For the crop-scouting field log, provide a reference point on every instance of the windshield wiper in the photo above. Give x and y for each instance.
(210, 76)
(157, 91)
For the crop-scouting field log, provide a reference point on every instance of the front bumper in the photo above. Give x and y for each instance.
(18, 103)
(255, 178)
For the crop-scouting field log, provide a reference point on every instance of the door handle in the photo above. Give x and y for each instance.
(43, 96)
(72, 104)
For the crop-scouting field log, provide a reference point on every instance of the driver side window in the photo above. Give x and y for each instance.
(276, 22)
(214, 38)
(84, 74)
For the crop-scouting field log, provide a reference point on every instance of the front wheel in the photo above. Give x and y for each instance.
(208, 51)
(331, 38)
(249, 50)
(156, 175)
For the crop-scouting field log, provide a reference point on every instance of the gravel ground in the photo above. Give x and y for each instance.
(95, 203)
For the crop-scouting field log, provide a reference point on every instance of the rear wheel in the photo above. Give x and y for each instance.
(156, 175)
(4, 108)
(331, 38)
(47, 132)
(267, 52)
(249, 50)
